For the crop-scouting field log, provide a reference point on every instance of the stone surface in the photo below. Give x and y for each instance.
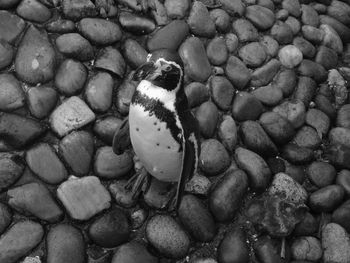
(11, 169)
(133, 252)
(335, 243)
(41, 101)
(261, 17)
(237, 72)
(6, 54)
(11, 26)
(33, 10)
(11, 93)
(200, 22)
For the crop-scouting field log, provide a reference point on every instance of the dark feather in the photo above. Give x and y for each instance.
(121, 139)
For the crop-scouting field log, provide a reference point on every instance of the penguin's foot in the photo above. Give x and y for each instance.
(136, 182)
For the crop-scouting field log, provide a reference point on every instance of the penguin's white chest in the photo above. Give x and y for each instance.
(154, 145)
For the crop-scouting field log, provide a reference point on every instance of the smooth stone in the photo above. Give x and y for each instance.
(123, 197)
(200, 22)
(307, 49)
(227, 195)
(65, 243)
(245, 30)
(227, 132)
(73, 45)
(217, 51)
(306, 248)
(282, 33)
(266, 250)
(19, 131)
(84, 197)
(108, 165)
(309, 16)
(5, 217)
(331, 38)
(158, 194)
(292, 6)
(221, 19)
(196, 63)
(319, 7)
(261, 17)
(340, 11)
(293, 111)
(325, 105)
(222, 92)
(233, 248)
(33, 10)
(297, 154)
(290, 56)
(110, 230)
(307, 226)
(269, 95)
(234, 8)
(177, 9)
(252, 54)
(326, 57)
(335, 244)
(70, 77)
(267, 3)
(320, 121)
(277, 127)
(133, 252)
(237, 72)
(271, 45)
(264, 75)
(158, 12)
(170, 36)
(35, 58)
(72, 114)
(305, 90)
(312, 34)
(196, 219)
(321, 173)
(294, 24)
(35, 199)
(342, 30)
(60, 26)
(11, 169)
(11, 26)
(343, 179)
(11, 93)
(19, 240)
(196, 94)
(246, 107)
(111, 60)
(338, 155)
(105, 128)
(136, 24)
(258, 172)
(6, 54)
(124, 95)
(44, 162)
(6, 4)
(99, 92)
(343, 117)
(207, 116)
(134, 53)
(286, 81)
(41, 101)
(167, 236)
(232, 42)
(75, 10)
(339, 135)
(282, 14)
(341, 215)
(326, 199)
(77, 149)
(214, 159)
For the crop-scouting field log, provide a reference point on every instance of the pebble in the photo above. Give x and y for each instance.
(261, 17)
(232, 42)
(35, 199)
(11, 169)
(35, 58)
(319, 121)
(196, 63)
(326, 57)
(108, 165)
(221, 19)
(286, 81)
(340, 11)
(227, 194)
(295, 171)
(341, 215)
(290, 56)
(268, 95)
(312, 34)
(309, 16)
(266, 250)
(331, 38)
(245, 30)
(305, 90)
(11, 93)
(326, 199)
(61, 26)
(306, 248)
(258, 172)
(110, 230)
(293, 111)
(222, 92)
(167, 236)
(246, 107)
(253, 54)
(70, 77)
(271, 45)
(335, 244)
(5, 217)
(321, 173)
(234, 8)
(234, 248)
(297, 154)
(134, 53)
(213, 159)
(77, 149)
(338, 155)
(41, 101)
(196, 219)
(33, 10)
(133, 252)
(177, 9)
(6, 54)
(254, 138)
(307, 49)
(124, 95)
(122, 196)
(99, 92)
(200, 22)
(65, 243)
(77, 10)
(343, 117)
(84, 197)
(282, 14)
(237, 72)
(19, 240)
(207, 116)
(343, 179)
(264, 75)
(294, 24)
(19, 131)
(342, 30)
(158, 194)
(72, 114)
(282, 33)
(292, 6)
(198, 185)
(111, 60)
(136, 24)
(73, 45)
(227, 132)
(339, 135)
(324, 105)
(217, 51)
(307, 226)
(170, 36)
(11, 26)
(5, 4)
(196, 94)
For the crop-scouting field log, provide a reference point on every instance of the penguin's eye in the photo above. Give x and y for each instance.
(167, 68)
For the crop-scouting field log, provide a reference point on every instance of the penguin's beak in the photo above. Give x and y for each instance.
(144, 71)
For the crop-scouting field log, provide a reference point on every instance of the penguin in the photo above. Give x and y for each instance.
(161, 128)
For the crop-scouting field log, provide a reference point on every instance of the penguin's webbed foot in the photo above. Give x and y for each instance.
(136, 182)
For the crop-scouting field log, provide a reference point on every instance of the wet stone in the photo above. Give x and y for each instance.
(286, 81)
(44, 162)
(306, 248)
(11, 26)
(200, 22)
(261, 17)
(326, 199)
(246, 107)
(136, 24)
(19, 240)
(6, 54)
(237, 72)
(335, 244)
(321, 173)
(5, 217)
(72, 114)
(222, 92)
(11, 169)
(290, 56)
(133, 252)
(196, 93)
(122, 196)
(41, 101)
(309, 16)
(264, 75)
(105, 128)
(111, 60)
(33, 10)
(282, 33)
(221, 19)
(269, 95)
(83, 198)
(198, 185)
(245, 30)
(11, 93)
(61, 26)
(35, 199)
(73, 45)
(76, 10)
(217, 51)
(134, 53)
(65, 243)
(227, 132)
(76, 149)
(307, 49)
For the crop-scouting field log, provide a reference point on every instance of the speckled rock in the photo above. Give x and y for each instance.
(111, 60)
(232, 42)
(335, 243)
(200, 22)
(307, 248)
(133, 252)
(217, 51)
(246, 107)
(261, 17)
(11, 169)
(11, 26)
(198, 185)
(227, 132)
(33, 10)
(11, 93)
(6, 54)
(73, 45)
(237, 72)
(326, 199)
(245, 30)
(41, 101)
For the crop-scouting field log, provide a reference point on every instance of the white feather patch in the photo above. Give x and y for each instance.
(192, 138)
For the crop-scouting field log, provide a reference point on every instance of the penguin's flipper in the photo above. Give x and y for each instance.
(121, 139)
